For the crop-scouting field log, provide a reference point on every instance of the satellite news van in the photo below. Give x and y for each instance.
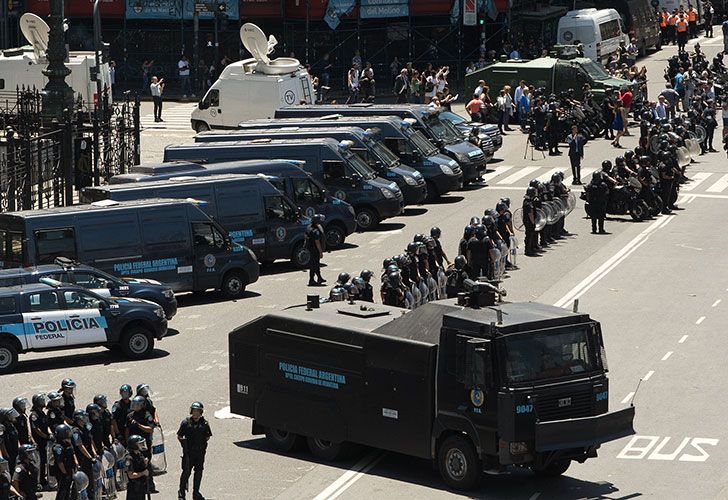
(23, 66)
(254, 87)
(598, 30)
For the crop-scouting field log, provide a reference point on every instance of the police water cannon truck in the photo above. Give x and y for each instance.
(470, 385)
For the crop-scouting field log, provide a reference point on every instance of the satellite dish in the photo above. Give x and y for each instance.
(35, 30)
(259, 47)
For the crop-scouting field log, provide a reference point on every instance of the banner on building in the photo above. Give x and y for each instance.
(470, 12)
(379, 9)
(336, 10)
(179, 9)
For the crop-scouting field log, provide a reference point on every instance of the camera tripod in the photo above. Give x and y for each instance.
(530, 143)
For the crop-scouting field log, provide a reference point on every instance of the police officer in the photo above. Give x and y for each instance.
(667, 178)
(20, 404)
(552, 127)
(144, 391)
(6, 483)
(8, 417)
(140, 422)
(598, 194)
(193, 434)
(102, 401)
(97, 427)
(436, 233)
(367, 293)
(478, 252)
(25, 477)
(119, 412)
(64, 462)
(529, 222)
(68, 387)
(315, 246)
(392, 291)
(456, 276)
(84, 447)
(137, 467)
(39, 429)
(56, 416)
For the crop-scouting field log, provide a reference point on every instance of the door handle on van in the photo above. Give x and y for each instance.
(73, 316)
(35, 319)
(219, 111)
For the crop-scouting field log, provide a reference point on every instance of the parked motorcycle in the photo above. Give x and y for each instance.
(624, 199)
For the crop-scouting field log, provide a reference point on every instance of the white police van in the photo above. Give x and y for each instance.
(52, 316)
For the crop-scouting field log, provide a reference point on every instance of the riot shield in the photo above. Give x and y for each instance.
(540, 219)
(655, 144)
(431, 287)
(159, 457)
(693, 147)
(108, 461)
(514, 249)
(424, 292)
(571, 202)
(518, 219)
(442, 283)
(408, 300)
(5, 469)
(560, 205)
(416, 296)
(495, 257)
(98, 479)
(700, 134)
(80, 481)
(119, 466)
(35, 460)
(50, 461)
(683, 156)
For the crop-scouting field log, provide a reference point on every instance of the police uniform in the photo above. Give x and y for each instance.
(598, 195)
(26, 476)
(83, 437)
(367, 293)
(5, 480)
(314, 234)
(69, 406)
(56, 417)
(64, 454)
(119, 412)
(143, 417)
(478, 256)
(667, 177)
(106, 419)
(393, 295)
(195, 435)
(39, 424)
(10, 441)
(21, 425)
(97, 434)
(531, 244)
(136, 488)
(455, 280)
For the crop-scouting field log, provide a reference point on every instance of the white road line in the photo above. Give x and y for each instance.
(498, 171)
(627, 398)
(700, 320)
(716, 303)
(667, 356)
(683, 339)
(520, 173)
(698, 178)
(586, 172)
(648, 375)
(611, 263)
(349, 477)
(719, 186)
(547, 175)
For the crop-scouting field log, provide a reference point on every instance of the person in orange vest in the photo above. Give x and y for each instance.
(681, 27)
(692, 21)
(663, 26)
(671, 21)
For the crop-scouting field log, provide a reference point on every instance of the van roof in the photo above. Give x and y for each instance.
(183, 179)
(333, 119)
(326, 141)
(107, 205)
(293, 129)
(360, 105)
(540, 63)
(183, 167)
(592, 13)
(11, 291)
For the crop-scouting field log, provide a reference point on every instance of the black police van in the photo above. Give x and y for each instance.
(441, 132)
(172, 241)
(442, 174)
(51, 316)
(472, 388)
(253, 212)
(103, 284)
(379, 158)
(286, 175)
(343, 172)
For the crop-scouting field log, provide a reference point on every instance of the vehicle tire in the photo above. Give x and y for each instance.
(458, 463)
(301, 256)
(366, 219)
(432, 193)
(335, 236)
(137, 342)
(555, 469)
(325, 450)
(639, 210)
(201, 127)
(233, 285)
(8, 357)
(282, 440)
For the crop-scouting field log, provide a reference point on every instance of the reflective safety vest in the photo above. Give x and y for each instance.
(663, 19)
(682, 26)
(671, 20)
(692, 15)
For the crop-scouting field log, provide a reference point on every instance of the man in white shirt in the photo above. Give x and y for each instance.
(519, 93)
(183, 69)
(352, 81)
(156, 88)
(661, 108)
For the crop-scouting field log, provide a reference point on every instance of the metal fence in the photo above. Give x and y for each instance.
(43, 163)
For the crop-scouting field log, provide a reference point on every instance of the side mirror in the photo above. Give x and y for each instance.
(478, 371)
(203, 105)
(416, 155)
(103, 306)
(110, 285)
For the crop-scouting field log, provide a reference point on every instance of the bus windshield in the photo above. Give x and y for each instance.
(539, 356)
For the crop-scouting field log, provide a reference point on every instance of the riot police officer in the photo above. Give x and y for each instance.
(39, 429)
(64, 462)
(25, 477)
(6, 483)
(193, 434)
(392, 292)
(56, 416)
(529, 222)
(119, 412)
(137, 467)
(315, 246)
(20, 404)
(106, 419)
(8, 417)
(68, 387)
(597, 193)
(478, 252)
(97, 426)
(140, 422)
(456, 276)
(367, 293)
(84, 447)
(667, 178)
(436, 234)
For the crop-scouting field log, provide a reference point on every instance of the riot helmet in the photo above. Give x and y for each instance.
(143, 390)
(460, 262)
(468, 231)
(80, 418)
(386, 263)
(507, 201)
(488, 221)
(68, 386)
(20, 404)
(500, 207)
(9, 415)
(619, 160)
(93, 411)
(435, 232)
(412, 248)
(394, 279)
(534, 183)
(531, 192)
(137, 403)
(419, 237)
(366, 275)
(628, 155)
(479, 231)
(125, 391)
(197, 405)
(606, 166)
(55, 399)
(597, 177)
(62, 432)
(343, 278)
(101, 400)
(40, 400)
(359, 283)
(474, 221)
(556, 178)
(392, 268)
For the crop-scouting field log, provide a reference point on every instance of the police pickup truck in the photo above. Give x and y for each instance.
(50, 315)
(103, 284)
(471, 387)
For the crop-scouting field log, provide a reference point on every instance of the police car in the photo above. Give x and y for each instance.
(103, 284)
(51, 315)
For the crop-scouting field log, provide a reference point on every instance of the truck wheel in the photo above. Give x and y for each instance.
(459, 465)
(555, 469)
(137, 343)
(201, 127)
(432, 194)
(335, 236)
(282, 440)
(233, 285)
(325, 450)
(8, 356)
(301, 256)
(366, 219)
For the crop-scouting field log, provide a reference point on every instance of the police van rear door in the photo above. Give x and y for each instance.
(85, 323)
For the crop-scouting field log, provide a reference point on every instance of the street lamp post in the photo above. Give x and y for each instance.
(57, 95)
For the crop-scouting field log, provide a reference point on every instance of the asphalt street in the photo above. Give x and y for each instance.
(659, 288)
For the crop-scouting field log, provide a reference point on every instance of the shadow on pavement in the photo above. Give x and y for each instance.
(447, 200)
(409, 212)
(105, 358)
(211, 297)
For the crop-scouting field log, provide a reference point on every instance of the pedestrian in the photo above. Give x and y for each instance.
(710, 123)
(193, 434)
(608, 104)
(416, 88)
(356, 60)
(157, 88)
(597, 194)
(137, 468)
(509, 108)
(672, 97)
(112, 76)
(25, 476)
(480, 88)
(725, 35)
(708, 19)
(352, 83)
(367, 82)
(394, 68)
(183, 70)
(661, 109)
(314, 241)
(401, 86)
(618, 123)
(326, 67)
(475, 109)
(524, 108)
(501, 107)
(692, 21)
(626, 97)
(552, 128)
(576, 143)
(681, 28)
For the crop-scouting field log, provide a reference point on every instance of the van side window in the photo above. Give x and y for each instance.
(54, 243)
(7, 305)
(277, 208)
(104, 237)
(164, 232)
(212, 99)
(398, 145)
(11, 247)
(205, 236)
(80, 300)
(333, 169)
(610, 29)
(305, 191)
(88, 280)
(364, 155)
(43, 301)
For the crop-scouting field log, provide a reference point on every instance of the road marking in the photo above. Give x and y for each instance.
(667, 356)
(648, 375)
(716, 303)
(719, 186)
(586, 172)
(535, 495)
(639, 447)
(351, 476)
(498, 171)
(698, 178)
(682, 339)
(224, 413)
(611, 263)
(522, 172)
(700, 320)
(547, 175)
(627, 398)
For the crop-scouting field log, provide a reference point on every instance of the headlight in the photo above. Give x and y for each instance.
(159, 312)
(168, 293)
(446, 170)
(387, 193)
(410, 180)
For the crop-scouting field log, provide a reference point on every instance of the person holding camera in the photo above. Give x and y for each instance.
(157, 88)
